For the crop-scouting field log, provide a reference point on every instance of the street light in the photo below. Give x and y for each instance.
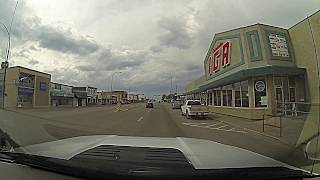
(112, 78)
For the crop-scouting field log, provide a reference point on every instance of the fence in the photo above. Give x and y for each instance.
(275, 125)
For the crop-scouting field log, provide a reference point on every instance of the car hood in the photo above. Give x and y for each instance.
(202, 154)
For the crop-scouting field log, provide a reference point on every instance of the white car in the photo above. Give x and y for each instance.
(194, 108)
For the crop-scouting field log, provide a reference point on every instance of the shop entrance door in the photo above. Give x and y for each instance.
(284, 92)
(279, 100)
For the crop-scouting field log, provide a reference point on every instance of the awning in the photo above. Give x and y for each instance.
(246, 73)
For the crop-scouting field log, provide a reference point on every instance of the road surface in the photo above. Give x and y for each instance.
(41, 125)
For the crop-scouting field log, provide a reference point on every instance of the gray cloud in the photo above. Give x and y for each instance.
(33, 62)
(107, 60)
(54, 39)
(176, 33)
(172, 43)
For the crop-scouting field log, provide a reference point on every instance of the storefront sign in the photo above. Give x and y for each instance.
(279, 47)
(260, 86)
(219, 57)
(25, 90)
(43, 86)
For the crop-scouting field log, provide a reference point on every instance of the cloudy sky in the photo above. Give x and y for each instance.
(83, 42)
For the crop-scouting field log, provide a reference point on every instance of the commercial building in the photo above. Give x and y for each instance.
(99, 98)
(113, 97)
(91, 95)
(26, 88)
(80, 94)
(132, 98)
(261, 69)
(62, 95)
(85, 95)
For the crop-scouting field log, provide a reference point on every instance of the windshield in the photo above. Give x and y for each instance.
(100, 70)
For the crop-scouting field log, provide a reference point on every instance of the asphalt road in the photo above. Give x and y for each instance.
(41, 125)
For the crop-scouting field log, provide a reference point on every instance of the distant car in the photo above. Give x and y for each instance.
(176, 104)
(149, 105)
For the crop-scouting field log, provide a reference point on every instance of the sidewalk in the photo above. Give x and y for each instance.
(291, 126)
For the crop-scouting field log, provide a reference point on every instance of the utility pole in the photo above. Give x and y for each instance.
(171, 85)
(5, 64)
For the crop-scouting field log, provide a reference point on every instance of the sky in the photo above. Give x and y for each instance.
(151, 42)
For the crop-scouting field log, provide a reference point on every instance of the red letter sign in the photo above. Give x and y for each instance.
(216, 55)
(225, 54)
(209, 65)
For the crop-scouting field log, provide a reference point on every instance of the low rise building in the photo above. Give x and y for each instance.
(113, 97)
(99, 98)
(26, 88)
(80, 94)
(261, 69)
(62, 95)
(91, 95)
(132, 98)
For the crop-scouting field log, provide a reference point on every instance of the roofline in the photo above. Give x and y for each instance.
(61, 84)
(29, 69)
(304, 19)
(256, 24)
(91, 87)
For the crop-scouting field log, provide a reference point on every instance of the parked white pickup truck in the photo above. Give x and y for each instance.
(194, 108)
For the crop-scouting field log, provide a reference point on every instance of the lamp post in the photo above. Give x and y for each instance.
(112, 78)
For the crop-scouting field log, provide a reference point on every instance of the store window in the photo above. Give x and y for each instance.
(244, 94)
(209, 100)
(237, 94)
(260, 92)
(217, 97)
(241, 94)
(227, 95)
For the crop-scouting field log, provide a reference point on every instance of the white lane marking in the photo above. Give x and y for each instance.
(140, 119)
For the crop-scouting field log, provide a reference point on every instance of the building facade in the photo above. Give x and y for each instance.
(114, 97)
(62, 95)
(26, 88)
(132, 98)
(91, 95)
(260, 69)
(80, 94)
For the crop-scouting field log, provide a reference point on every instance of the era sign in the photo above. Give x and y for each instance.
(220, 57)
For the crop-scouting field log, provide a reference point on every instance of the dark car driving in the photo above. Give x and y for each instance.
(149, 105)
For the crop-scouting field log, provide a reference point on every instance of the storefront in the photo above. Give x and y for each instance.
(114, 97)
(252, 71)
(80, 94)
(62, 95)
(26, 88)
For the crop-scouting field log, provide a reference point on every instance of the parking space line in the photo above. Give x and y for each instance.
(140, 119)
(222, 126)
(212, 127)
